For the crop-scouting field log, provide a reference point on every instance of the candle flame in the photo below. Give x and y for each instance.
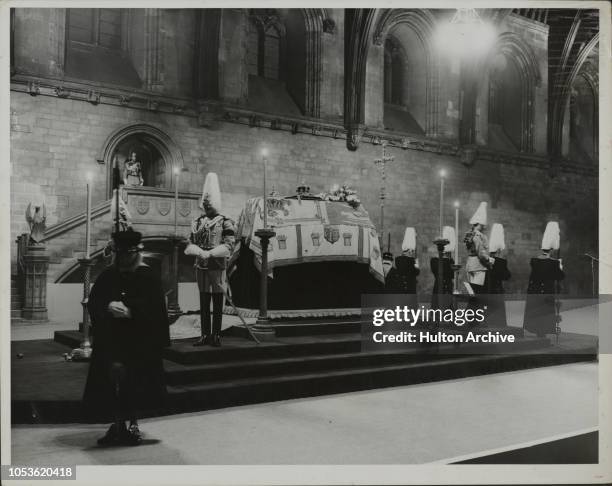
(442, 173)
(456, 204)
(264, 152)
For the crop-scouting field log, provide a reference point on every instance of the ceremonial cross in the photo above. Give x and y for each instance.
(381, 166)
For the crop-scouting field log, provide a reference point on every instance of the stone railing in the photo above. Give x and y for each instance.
(153, 210)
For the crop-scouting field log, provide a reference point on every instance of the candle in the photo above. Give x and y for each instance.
(88, 217)
(176, 184)
(456, 232)
(442, 175)
(264, 154)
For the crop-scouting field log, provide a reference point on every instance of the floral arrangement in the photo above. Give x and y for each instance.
(343, 194)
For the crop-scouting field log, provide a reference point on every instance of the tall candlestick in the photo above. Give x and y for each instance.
(88, 221)
(176, 186)
(442, 174)
(264, 153)
(456, 231)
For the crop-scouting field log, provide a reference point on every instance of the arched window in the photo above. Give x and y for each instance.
(96, 47)
(95, 27)
(252, 57)
(583, 122)
(271, 53)
(505, 100)
(276, 60)
(405, 81)
(394, 72)
(264, 47)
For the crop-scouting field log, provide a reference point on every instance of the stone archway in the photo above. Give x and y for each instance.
(158, 151)
(511, 51)
(413, 30)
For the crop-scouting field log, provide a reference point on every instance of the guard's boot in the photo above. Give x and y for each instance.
(204, 321)
(216, 319)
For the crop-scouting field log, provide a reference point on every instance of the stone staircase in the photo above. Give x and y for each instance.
(151, 212)
(65, 241)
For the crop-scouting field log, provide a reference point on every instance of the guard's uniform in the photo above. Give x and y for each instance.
(211, 243)
(541, 306)
(216, 235)
(496, 305)
(478, 261)
(477, 245)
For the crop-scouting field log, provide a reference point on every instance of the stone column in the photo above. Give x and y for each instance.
(36, 262)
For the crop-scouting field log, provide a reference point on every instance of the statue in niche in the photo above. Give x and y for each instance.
(132, 171)
(37, 223)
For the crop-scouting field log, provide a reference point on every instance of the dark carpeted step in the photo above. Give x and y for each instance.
(304, 328)
(182, 374)
(47, 389)
(237, 349)
(186, 398)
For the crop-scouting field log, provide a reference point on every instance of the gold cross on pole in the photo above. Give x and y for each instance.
(381, 165)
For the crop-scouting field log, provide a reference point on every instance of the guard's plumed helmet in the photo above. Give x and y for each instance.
(448, 233)
(480, 216)
(497, 239)
(211, 193)
(552, 236)
(409, 243)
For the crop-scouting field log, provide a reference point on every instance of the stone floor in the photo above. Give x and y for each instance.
(427, 423)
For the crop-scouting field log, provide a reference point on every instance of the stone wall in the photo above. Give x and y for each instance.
(54, 142)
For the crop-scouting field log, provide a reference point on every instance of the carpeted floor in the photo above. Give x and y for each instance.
(432, 422)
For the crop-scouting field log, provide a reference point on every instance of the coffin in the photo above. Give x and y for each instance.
(324, 255)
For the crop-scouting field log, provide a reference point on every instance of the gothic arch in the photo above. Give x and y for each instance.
(558, 110)
(315, 22)
(520, 53)
(583, 120)
(152, 135)
(422, 23)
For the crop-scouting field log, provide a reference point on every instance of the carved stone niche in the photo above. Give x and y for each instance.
(156, 172)
(468, 155)
(353, 136)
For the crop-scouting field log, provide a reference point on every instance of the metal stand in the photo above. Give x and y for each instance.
(441, 243)
(456, 267)
(83, 352)
(262, 328)
(174, 311)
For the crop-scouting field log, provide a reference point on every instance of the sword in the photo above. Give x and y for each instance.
(229, 299)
